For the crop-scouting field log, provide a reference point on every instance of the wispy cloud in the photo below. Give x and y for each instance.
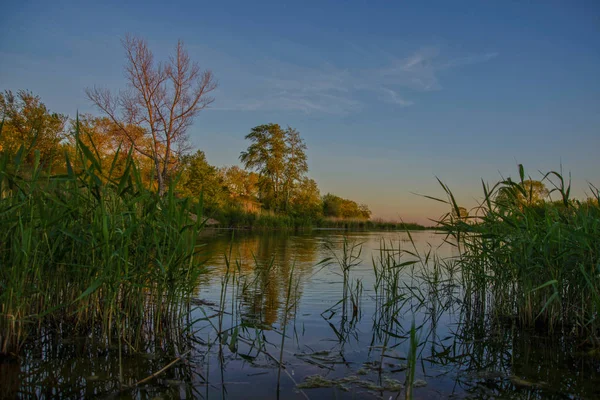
(396, 99)
(474, 59)
(278, 85)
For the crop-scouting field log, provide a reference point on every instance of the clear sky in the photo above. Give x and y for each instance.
(388, 95)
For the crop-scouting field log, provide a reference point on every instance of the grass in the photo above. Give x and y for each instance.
(368, 224)
(92, 252)
(536, 263)
(239, 219)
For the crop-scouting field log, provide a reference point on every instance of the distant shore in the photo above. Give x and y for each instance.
(250, 221)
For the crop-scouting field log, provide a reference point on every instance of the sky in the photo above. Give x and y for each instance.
(388, 95)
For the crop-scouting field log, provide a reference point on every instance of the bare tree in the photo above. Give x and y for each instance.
(162, 99)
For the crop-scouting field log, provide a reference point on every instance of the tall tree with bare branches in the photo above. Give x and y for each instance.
(162, 99)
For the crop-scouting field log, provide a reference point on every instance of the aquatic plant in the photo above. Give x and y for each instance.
(92, 251)
(533, 262)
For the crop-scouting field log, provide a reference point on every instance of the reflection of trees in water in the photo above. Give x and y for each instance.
(265, 262)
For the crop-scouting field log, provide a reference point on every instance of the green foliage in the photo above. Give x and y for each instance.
(337, 207)
(28, 124)
(279, 156)
(530, 259)
(235, 217)
(307, 200)
(228, 194)
(111, 146)
(512, 195)
(239, 182)
(363, 224)
(91, 250)
(200, 178)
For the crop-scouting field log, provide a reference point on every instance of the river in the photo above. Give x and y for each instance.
(324, 314)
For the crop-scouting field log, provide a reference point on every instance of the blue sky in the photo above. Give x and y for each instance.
(387, 94)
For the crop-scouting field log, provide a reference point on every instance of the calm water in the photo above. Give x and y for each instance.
(258, 285)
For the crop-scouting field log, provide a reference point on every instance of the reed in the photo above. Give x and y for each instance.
(92, 251)
(238, 219)
(412, 362)
(348, 307)
(534, 263)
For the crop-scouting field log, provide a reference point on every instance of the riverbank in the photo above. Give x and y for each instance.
(264, 221)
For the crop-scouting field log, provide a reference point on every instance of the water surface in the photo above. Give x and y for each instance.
(351, 331)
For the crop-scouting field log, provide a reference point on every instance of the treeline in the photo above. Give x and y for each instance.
(148, 123)
(271, 190)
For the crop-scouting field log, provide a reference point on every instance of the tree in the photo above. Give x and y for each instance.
(296, 166)
(28, 123)
(332, 205)
(240, 182)
(526, 193)
(306, 199)
(460, 214)
(364, 211)
(337, 207)
(201, 178)
(162, 99)
(105, 137)
(279, 158)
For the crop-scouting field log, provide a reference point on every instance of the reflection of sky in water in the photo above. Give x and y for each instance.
(320, 287)
(475, 359)
(449, 365)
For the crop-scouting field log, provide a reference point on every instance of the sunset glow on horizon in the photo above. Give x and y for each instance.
(387, 98)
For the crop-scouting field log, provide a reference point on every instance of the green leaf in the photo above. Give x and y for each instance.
(124, 179)
(36, 162)
(552, 282)
(550, 300)
(89, 155)
(69, 167)
(93, 287)
(114, 161)
(404, 264)
(19, 155)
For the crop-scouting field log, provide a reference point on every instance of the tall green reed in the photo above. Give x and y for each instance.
(534, 262)
(92, 251)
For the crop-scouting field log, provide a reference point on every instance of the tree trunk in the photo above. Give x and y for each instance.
(160, 179)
